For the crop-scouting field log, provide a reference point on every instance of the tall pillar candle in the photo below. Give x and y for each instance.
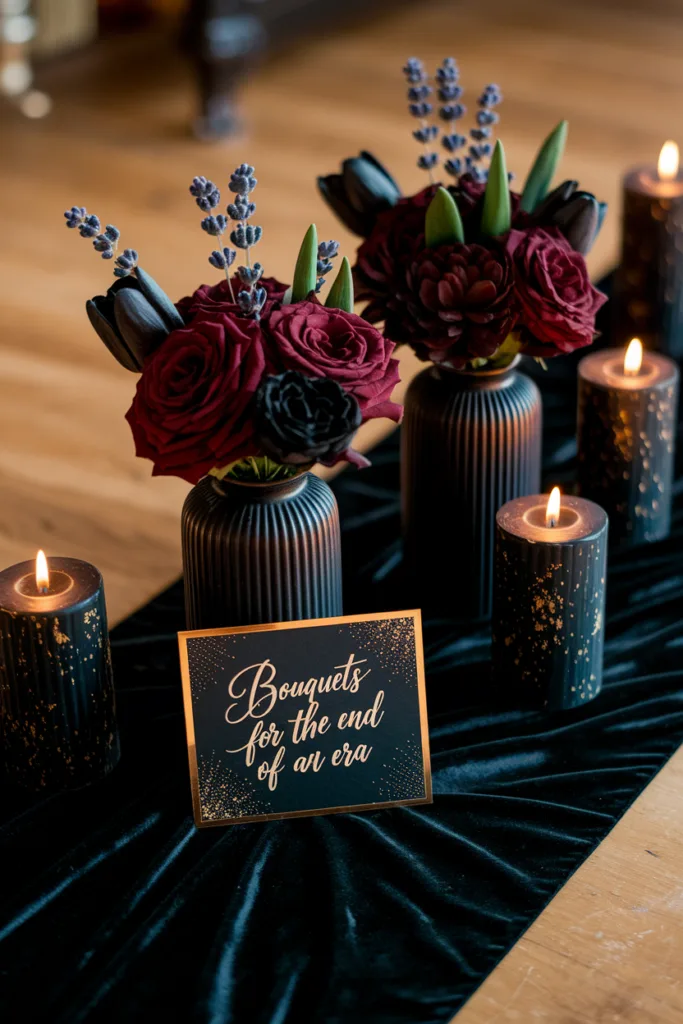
(549, 600)
(648, 299)
(57, 721)
(626, 435)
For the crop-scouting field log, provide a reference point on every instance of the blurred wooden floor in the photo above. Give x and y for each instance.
(117, 142)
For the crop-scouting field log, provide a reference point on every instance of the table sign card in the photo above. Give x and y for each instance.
(300, 718)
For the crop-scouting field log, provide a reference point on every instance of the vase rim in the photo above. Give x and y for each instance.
(495, 371)
(260, 487)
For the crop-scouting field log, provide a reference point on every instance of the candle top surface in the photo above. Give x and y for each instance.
(72, 583)
(606, 370)
(646, 180)
(579, 519)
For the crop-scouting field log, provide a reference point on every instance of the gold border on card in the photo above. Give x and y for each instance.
(415, 614)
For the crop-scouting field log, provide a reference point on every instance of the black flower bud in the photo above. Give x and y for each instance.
(300, 419)
(362, 189)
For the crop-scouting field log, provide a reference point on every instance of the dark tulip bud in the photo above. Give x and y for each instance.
(363, 189)
(300, 420)
(578, 221)
(98, 310)
(554, 201)
(158, 299)
(138, 323)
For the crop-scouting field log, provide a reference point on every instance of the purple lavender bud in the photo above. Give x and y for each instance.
(245, 301)
(241, 209)
(453, 167)
(108, 254)
(426, 161)
(75, 216)
(416, 93)
(449, 71)
(250, 275)
(89, 227)
(449, 91)
(214, 225)
(112, 233)
(453, 142)
(451, 111)
(481, 150)
(101, 243)
(490, 97)
(420, 109)
(242, 180)
(323, 267)
(120, 272)
(319, 283)
(245, 235)
(414, 71)
(426, 133)
(217, 260)
(487, 117)
(479, 134)
(328, 250)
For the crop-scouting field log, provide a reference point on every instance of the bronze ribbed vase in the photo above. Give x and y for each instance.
(470, 442)
(256, 553)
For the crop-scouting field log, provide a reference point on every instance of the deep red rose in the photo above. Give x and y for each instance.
(557, 301)
(210, 297)
(189, 413)
(322, 342)
(382, 258)
(459, 302)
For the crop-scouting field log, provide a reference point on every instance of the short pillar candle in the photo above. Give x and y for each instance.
(57, 721)
(648, 291)
(549, 600)
(627, 418)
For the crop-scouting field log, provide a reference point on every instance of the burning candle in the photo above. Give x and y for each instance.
(626, 435)
(648, 298)
(549, 600)
(57, 721)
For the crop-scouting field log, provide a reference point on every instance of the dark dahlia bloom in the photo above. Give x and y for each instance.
(299, 420)
(212, 298)
(382, 258)
(459, 302)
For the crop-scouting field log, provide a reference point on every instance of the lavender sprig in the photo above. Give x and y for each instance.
(450, 111)
(326, 253)
(104, 242)
(207, 197)
(482, 136)
(252, 297)
(420, 107)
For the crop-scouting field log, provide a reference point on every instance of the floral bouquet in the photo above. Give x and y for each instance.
(472, 273)
(248, 378)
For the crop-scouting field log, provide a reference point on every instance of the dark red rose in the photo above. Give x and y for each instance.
(557, 301)
(382, 258)
(189, 413)
(322, 342)
(210, 297)
(459, 302)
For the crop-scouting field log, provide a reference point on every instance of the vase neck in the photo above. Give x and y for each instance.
(274, 490)
(478, 380)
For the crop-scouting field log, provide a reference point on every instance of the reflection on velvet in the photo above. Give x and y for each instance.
(115, 908)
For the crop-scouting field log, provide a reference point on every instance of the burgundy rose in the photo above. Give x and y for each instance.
(382, 258)
(557, 301)
(212, 297)
(460, 302)
(322, 342)
(189, 413)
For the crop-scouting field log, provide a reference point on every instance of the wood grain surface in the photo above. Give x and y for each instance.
(118, 142)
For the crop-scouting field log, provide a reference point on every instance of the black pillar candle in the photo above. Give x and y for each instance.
(648, 288)
(549, 601)
(57, 722)
(626, 437)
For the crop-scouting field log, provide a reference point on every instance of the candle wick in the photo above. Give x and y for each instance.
(552, 521)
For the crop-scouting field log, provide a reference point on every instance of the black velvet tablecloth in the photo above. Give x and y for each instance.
(116, 908)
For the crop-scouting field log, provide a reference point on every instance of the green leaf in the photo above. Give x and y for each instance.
(304, 273)
(443, 224)
(495, 218)
(544, 167)
(341, 292)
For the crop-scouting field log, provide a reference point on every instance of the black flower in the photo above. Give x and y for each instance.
(359, 192)
(299, 419)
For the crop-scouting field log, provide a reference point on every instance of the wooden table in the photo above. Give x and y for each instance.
(610, 945)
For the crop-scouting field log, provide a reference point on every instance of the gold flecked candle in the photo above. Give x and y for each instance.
(57, 720)
(627, 417)
(549, 600)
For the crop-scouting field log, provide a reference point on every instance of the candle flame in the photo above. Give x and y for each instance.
(667, 165)
(633, 358)
(42, 572)
(552, 512)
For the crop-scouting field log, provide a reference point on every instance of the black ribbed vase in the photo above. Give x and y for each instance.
(470, 442)
(255, 553)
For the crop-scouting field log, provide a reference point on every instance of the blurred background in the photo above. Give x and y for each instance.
(116, 104)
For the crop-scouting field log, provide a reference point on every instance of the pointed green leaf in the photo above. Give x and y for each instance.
(495, 218)
(544, 167)
(341, 292)
(304, 273)
(443, 224)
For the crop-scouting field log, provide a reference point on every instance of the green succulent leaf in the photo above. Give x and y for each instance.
(496, 217)
(304, 281)
(443, 223)
(541, 174)
(341, 292)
